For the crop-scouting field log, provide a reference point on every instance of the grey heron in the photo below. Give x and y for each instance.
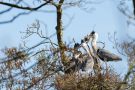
(96, 66)
(103, 54)
(88, 62)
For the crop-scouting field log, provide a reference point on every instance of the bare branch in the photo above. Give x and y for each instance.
(24, 8)
(134, 6)
(15, 17)
(7, 10)
(117, 45)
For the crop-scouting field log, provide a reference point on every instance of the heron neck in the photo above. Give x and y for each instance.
(86, 49)
(94, 45)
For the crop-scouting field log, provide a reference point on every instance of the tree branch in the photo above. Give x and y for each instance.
(24, 8)
(134, 6)
(61, 2)
(4, 11)
(12, 19)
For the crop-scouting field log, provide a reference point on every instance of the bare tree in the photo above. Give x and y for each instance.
(45, 66)
(17, 70)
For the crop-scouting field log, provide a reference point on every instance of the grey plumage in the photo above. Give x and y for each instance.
(105, 55)
(74, 63)
(88, 62)
(80, 62)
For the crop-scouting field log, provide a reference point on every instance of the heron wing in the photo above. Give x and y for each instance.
(108, 56)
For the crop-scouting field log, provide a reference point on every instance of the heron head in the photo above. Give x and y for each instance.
(93, 32)
(83, 43)
(77, 45)
(94, 35)
(87, 39)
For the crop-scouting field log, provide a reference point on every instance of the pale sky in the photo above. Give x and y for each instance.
(104, 16)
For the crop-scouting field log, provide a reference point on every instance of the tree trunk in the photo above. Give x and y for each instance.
(59, 30)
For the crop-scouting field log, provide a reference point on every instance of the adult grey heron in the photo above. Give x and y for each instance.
(88, 62)
(96, 66)
(103, 54)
